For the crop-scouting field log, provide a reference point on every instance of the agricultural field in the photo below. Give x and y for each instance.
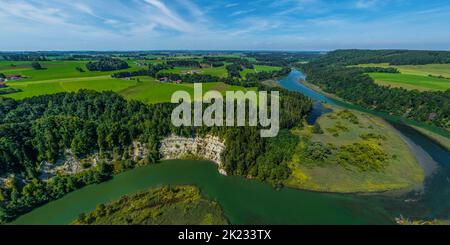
(213, 71)
(99, 83)
(259, 68)
(421, 70)
(414, 76)
(62, 76)
(147, 90)
(151, 91)
(343, 128)
(54, 70)
(220, 71)
(421, 83)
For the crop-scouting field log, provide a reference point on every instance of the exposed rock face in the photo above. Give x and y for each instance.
(3, 181)
(208, 147)
(66, 165)
(173, 147)
(69, 164)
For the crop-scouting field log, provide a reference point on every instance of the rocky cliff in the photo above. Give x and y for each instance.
(208, 147)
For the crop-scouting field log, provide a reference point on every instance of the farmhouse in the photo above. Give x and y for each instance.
(164, 79)
(141, 64)
(194, 72)
(13, 77)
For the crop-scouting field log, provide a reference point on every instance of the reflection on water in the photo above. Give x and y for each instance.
(317, 110)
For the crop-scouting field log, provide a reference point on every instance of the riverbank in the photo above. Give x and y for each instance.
(441, 140)
(244, 201)
(319, 90)
(442, 137)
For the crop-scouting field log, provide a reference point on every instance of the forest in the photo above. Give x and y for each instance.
(107, 64)
(282, 58)
(393, 57)
(40, 129)
(189, 78)
(332, 74)
(183, 63)
(23, 57)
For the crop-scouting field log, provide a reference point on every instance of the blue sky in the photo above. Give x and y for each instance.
(223, 24)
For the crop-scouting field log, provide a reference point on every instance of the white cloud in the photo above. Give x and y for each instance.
(230, 5)
(366, 4)
(83, 8)
(31, 12)
(168, 18)
(242, 12)
(193, 9)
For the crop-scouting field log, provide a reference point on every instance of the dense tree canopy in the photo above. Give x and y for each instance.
(234, 70)
(393, 57)
(107, 64)
(41, 129)
(36, 66)
(183, 63)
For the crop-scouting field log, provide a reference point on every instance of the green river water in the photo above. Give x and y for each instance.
(251, 202)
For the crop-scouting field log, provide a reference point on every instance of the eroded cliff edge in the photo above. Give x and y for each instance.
(208, 147)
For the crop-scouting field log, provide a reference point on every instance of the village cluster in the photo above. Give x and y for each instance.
(6, 78)
(179, 81)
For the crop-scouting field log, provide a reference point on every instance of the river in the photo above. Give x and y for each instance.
(251, 202)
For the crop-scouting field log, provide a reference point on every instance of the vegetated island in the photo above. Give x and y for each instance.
(349, 151)
(179, 205)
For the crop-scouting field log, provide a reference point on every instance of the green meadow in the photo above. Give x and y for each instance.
(147, 90)
(259, 68)
(151, 91)
(422, 70)
(414, 76)
(99, 83)
(421, 83)
(221, 71)
(53, 70)
(213, 71)
(341, 128)
(62, 76)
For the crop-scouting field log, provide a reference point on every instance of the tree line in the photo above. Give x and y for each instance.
(380, 69)
(353, 85)
(189, 78)
(107, 64)
(183, 63)
(393, 57)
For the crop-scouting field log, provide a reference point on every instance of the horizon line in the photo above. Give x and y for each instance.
(216, 50)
